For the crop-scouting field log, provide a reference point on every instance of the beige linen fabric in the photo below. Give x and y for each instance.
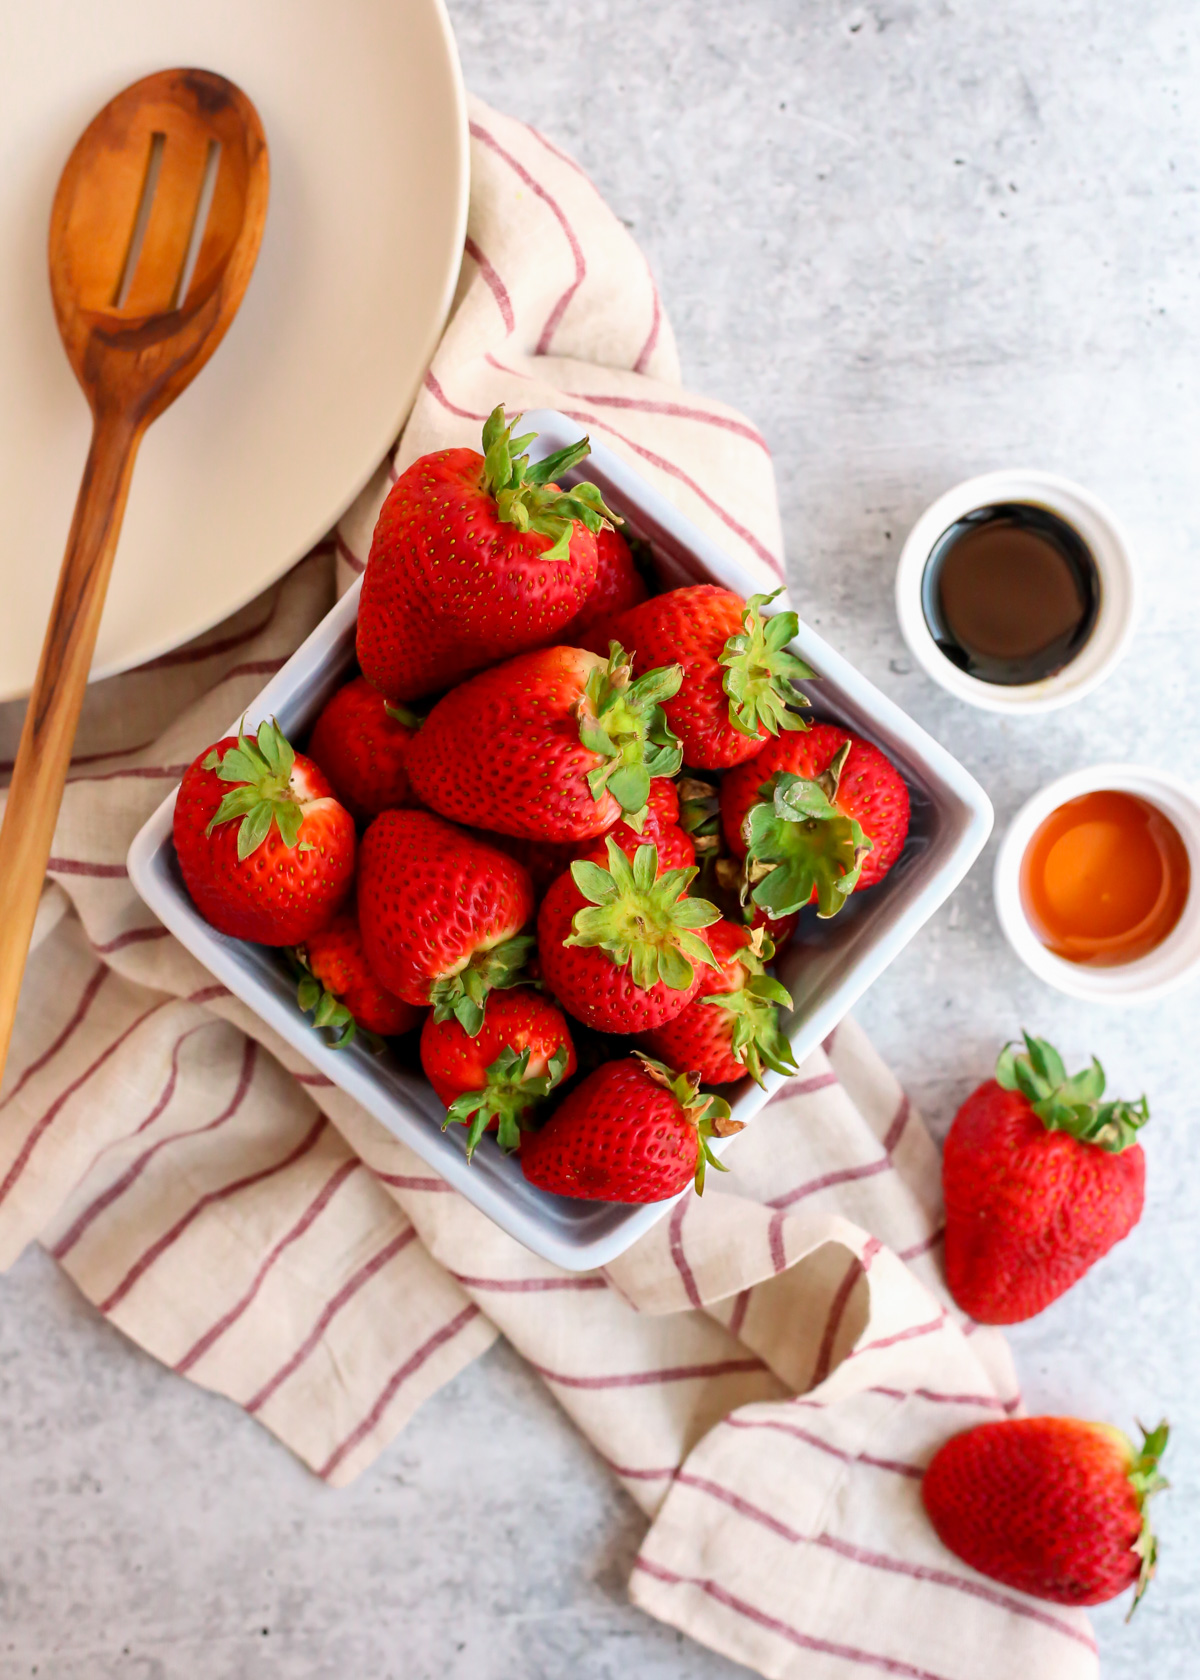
(769, 1370)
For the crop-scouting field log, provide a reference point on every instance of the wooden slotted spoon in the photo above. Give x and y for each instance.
(154, 233)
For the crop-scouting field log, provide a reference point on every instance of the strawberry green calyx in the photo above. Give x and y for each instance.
(623, 721)
(798, 842)
(1070, 1105)
(642, 919)
(700, 814)
(761, 672)
(708, 1114)
(463, 995)
(264, 767)
(527, 496)
(507, 1097)
(403, 714)
(756, 1040)
(1146, 1480)
(329, 1011)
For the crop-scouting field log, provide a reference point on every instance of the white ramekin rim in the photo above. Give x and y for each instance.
(1162, 970)
(1104, 536)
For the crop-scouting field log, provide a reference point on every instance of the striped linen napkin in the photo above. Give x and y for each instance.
(769, 1369)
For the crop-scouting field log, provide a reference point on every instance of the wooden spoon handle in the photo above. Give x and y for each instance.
(51, 718)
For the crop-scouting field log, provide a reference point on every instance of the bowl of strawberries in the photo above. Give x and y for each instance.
(561, 842)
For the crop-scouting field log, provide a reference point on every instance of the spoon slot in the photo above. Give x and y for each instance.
(208, 187)
(142, 220)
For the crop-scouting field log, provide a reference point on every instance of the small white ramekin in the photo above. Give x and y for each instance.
(1170, 964)
(1118, 590)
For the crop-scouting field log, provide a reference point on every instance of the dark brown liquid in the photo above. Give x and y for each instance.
(1011, 593)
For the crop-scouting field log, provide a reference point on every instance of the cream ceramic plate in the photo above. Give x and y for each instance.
(365, 118)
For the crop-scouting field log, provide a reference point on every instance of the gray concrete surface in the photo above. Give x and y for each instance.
(914, 241)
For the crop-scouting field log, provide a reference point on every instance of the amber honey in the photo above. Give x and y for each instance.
(1104, 879)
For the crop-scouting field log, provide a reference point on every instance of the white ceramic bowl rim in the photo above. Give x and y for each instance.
(1170, 964)
(1103, 535)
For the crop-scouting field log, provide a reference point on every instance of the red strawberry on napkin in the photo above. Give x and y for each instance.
(1051, 1506)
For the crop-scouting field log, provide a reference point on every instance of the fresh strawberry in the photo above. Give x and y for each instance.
(336, 983)
(266, 851)
(490, 1083)
(474, 558)
(618, 587)
(738, 675)
(1041, 1178)
(618, 945)
(814, 816)
(633, 1131)
(361, 740)
(441, 914)
(1051, 1506)
(731, 1027)
(553, 745)
(660, 828)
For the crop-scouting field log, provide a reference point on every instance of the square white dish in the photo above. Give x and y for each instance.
(827, 969)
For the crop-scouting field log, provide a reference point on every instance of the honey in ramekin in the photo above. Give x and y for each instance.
(1104, 879)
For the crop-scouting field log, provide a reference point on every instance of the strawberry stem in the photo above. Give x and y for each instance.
(709, 1114)
(463, 995)
(262, 768)
(527, 496)
(799, 843)
(622, 720)
(507, 1096)
(761, 671)
(642, 919)
(327, 1009)
(1147, 1480)
(1070, 1105)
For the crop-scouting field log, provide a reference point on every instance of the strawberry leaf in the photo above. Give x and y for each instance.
(288, 819)
(329, 1013)
(526, 495)
(623, 723)
(641, 919)
(761, 672)
(508, 1097)
(403, 714)
(800, 845)
(256, 825)
(1071, 1105)
(755, 1039)
(463, 995)
(261, 770)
